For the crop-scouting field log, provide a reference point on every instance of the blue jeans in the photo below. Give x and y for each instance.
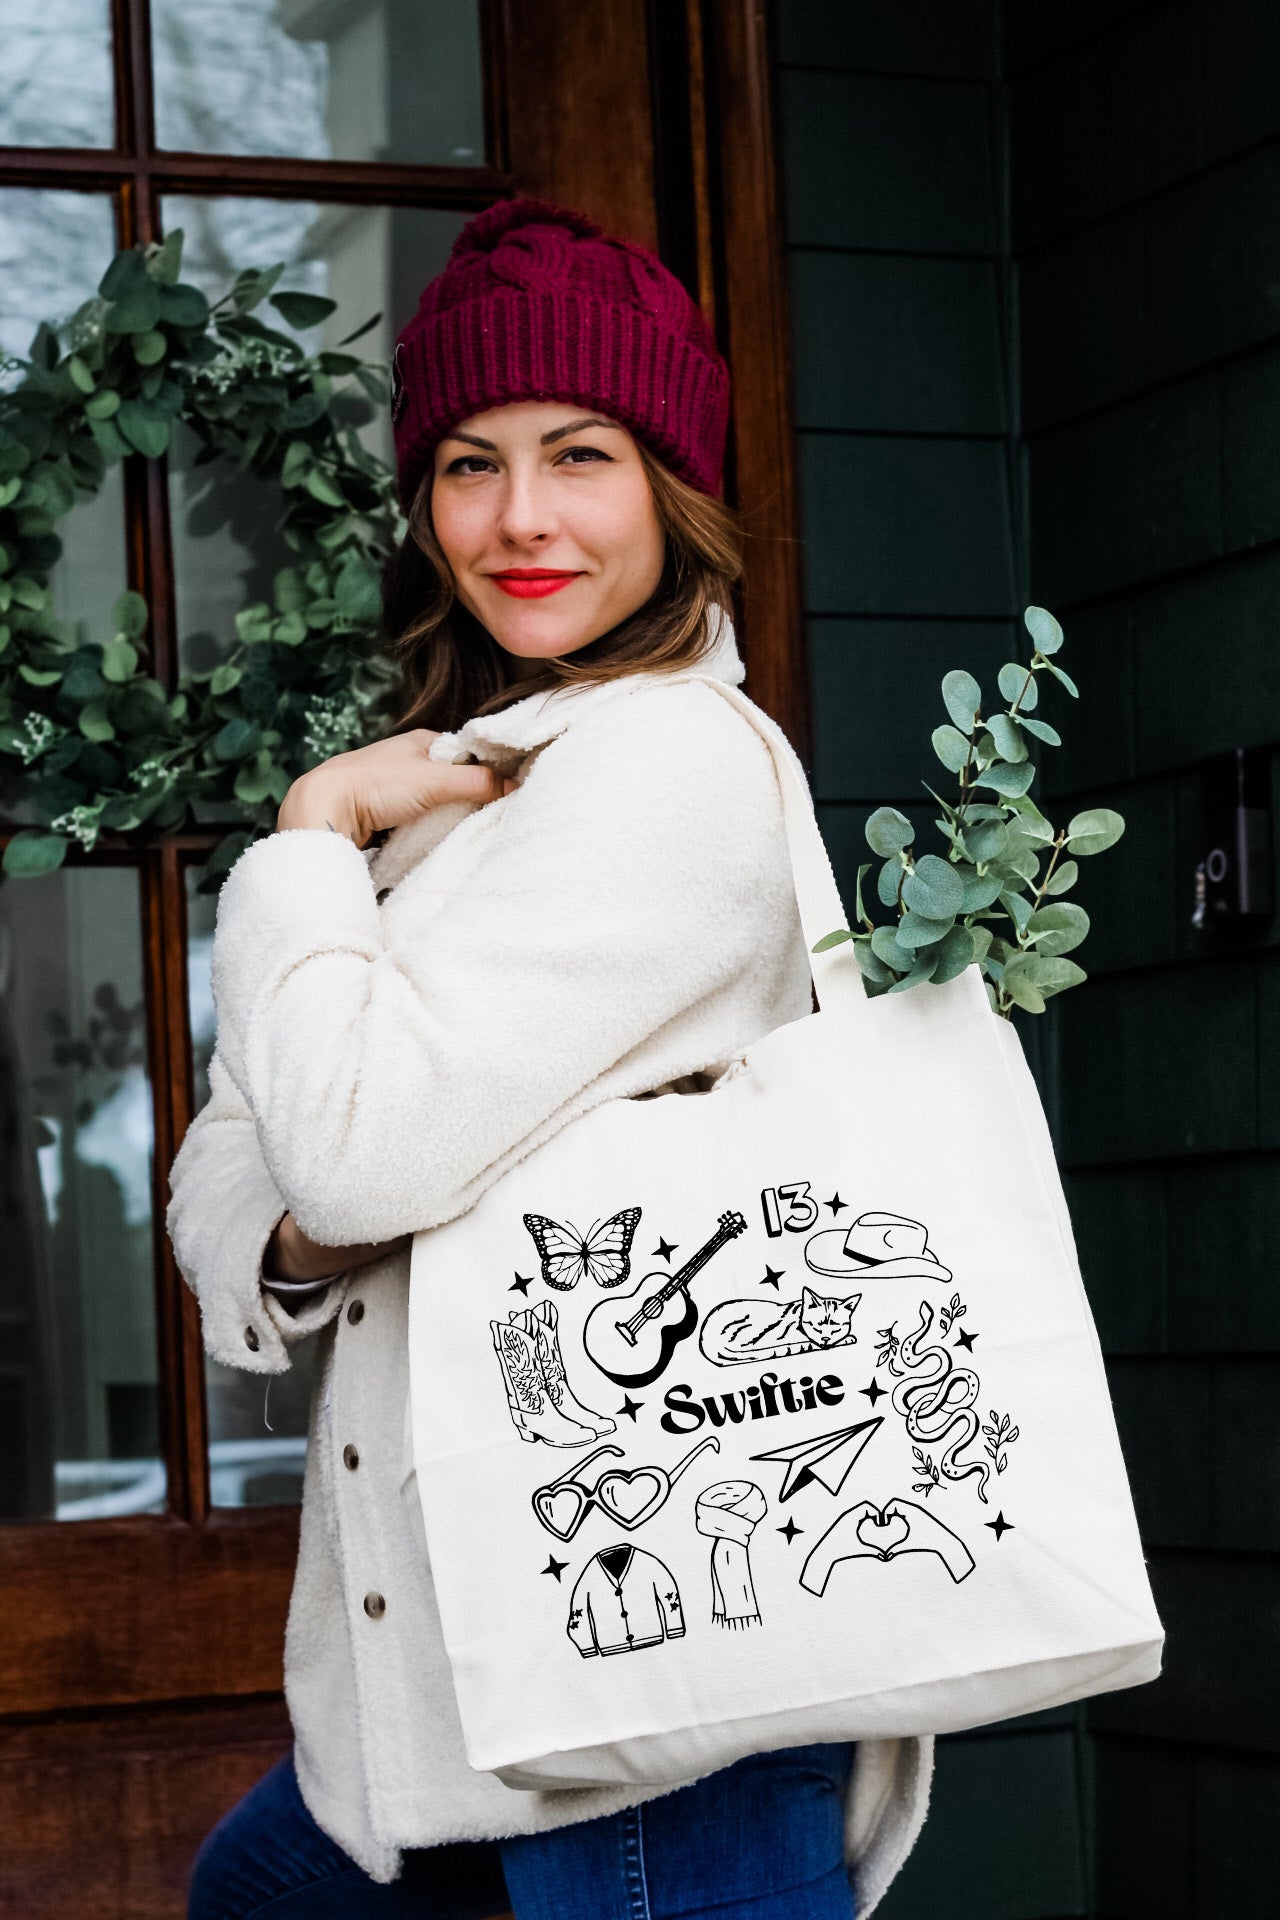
(761, 1840)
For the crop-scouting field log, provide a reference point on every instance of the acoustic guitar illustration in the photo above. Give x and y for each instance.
(631, 1338)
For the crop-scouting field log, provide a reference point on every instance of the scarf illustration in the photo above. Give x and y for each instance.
(729, 1514)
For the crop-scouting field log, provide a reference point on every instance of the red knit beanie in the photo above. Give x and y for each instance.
(537, 303)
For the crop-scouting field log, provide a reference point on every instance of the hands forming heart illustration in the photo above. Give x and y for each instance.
(626, 1495)
(868, 1532)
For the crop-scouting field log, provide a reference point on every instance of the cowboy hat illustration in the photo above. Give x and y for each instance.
(882, 1245)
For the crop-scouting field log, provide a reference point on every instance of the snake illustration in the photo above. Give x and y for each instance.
(937, 1402)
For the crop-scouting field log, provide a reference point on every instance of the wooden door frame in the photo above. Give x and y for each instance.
(180, 1612)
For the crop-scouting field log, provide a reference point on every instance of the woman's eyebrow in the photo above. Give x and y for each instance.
(472, 440)
(576, 426)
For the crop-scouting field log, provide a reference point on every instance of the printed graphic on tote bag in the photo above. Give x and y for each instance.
(603, 1252)
(868, 1532)
(729, 1514)
(625, 1599)
(935, 1397)
(881, 1246)
(632, 1338)
(739, 1332)
(540, 1400)
(826, 1460)
(626, 1495)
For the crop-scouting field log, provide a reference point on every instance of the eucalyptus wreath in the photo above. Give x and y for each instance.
(90, 737)
(996, 897)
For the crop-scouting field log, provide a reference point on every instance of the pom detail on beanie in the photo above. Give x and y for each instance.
(538, 303)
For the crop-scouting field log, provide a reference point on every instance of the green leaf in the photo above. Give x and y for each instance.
(1042, 730)
(951, 747)
(224, 678)
(888, 881)
(860, 912)
(144, 426)
(238, 738)
(934, 890)
(101, 406)
(1031, 824)
(982, 891)
(1055, 976)
(1059, 928)
(290, 629)
(94, 721)
(254, 623)
(924, 969)
(1065, 678)
(39, 676)
(1094, 831)
(981, 937)
(888, 831)
(366, 326)
(118, 660)
(81, 378)
(1010, 744)
(255, 778)
(150, 348)
(1020, 986)
(321, 488)
(1017, 683)
(987, 841)
(1043, 628)
(110, 441)
(963, 698)
(872, 969)
(1064, 877)
(297, 464)
(183, 306)
(886, 949)
(303, 310)
(164, 263)
(137, 312)
(829, 940)
(33, 852)
(126, 274)
(1011, 781)
(1018, 908)
(129, 615)
(955, 953)
(356, 591)
(915, 931)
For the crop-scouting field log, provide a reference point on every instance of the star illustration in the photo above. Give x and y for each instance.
(1000, 1526)
(966, 1339)
(790, 1531)
(874, 1392)
(836, 1204)
(630, 1407)
(555, 1567)
(521, 1285)
(772, 1275)
(665, 1249)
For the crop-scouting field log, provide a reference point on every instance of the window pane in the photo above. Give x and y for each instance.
(54, 249)
(226, 544)
(324, 79)
(257, 1432)
(79, 1395)
(55, 73)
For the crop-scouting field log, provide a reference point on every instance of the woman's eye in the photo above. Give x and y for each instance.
(580, 456)
(470, 463)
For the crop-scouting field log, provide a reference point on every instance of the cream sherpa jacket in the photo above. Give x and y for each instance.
(396, 1028)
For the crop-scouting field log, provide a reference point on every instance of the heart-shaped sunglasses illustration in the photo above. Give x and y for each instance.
(628, 1496)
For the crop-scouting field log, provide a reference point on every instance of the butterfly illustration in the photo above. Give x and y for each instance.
(604, 1251)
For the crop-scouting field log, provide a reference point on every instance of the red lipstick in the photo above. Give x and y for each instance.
(532, 583)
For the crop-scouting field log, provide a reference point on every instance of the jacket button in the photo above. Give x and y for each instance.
(350, 1458)
(355, 1312)
(374, 1605)
(381, 895)
(251, 1339)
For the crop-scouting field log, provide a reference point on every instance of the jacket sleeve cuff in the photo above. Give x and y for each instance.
(296, 894)
(316, 1311)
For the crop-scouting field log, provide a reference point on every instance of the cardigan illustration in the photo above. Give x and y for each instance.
(624, 1599)
(398, 1026)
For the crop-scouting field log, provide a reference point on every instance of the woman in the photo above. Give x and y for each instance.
(584, 895)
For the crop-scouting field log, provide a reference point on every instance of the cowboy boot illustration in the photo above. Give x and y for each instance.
(528, 1397)
(543, 1321)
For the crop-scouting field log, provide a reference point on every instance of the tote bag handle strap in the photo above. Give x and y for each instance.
(837, 978)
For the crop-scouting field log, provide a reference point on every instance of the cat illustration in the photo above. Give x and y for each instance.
(738, 1332)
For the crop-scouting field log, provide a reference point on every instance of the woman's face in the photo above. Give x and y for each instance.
(545, 515)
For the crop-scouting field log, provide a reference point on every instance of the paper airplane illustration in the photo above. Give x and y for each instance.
(827, 1458)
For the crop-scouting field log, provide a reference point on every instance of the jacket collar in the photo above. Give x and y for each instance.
(504, 739)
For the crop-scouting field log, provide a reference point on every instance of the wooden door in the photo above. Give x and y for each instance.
(141, 1630)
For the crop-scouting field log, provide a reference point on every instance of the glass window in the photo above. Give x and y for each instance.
(257, 1431)
(396, 80)
(55, 247)
(55, 73)
(225, 524)
(79, 1396)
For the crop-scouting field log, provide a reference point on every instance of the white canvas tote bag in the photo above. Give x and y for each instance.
(775, 1414)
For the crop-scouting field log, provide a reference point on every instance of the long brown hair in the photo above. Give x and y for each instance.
(452, 667)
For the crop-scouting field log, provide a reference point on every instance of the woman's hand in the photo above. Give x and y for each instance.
(290, 1255)
(385, 784)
